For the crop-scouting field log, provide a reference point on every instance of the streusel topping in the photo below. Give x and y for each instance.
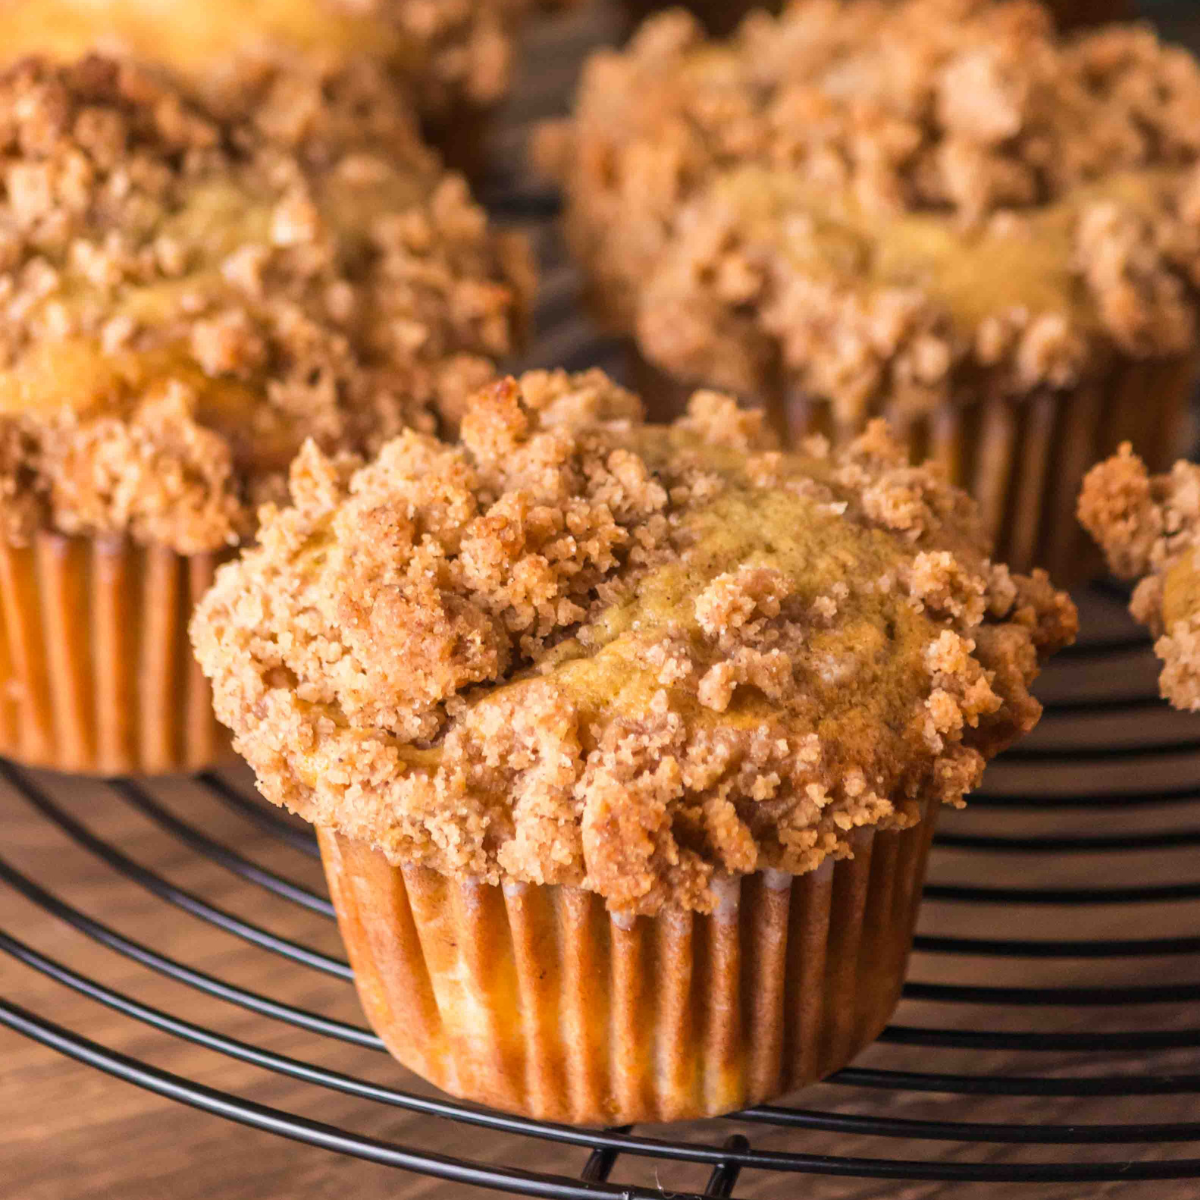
(576, 648)
(1149, 528)
(889, 202)
(447, 52)
(185, 299)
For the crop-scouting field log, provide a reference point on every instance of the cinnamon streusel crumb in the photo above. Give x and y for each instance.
(185, 298)
(1149, 528)
(446, 53)
(576, 648)
(888, 203)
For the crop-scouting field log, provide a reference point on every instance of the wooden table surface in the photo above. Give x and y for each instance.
(68, 1132)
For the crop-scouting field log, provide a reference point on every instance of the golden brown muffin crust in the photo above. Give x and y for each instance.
(912, 201)
(1149, 528)
(580, 649)
(446, 52)
(185, 299)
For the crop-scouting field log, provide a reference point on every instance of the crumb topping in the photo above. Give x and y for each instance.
(1149, 528)
(184, 299)
(576, 648)
(446, 52)
(894, 204)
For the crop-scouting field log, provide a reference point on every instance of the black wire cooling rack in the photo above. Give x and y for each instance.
(1102, 686)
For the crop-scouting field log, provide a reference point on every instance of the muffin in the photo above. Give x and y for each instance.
(624, 743)
(935, 211)
(719, 16)
(184, 302)
(722, 16)
(452, 56)
(1070, 14)
(1149, 528)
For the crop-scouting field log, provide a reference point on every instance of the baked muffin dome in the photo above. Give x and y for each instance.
(187, 298)
(580, 649)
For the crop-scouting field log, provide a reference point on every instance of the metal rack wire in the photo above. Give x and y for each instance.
(723, 1146)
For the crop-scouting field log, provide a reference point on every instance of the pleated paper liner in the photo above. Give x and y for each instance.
(1024, 460)
(97, 672)
(535, 1000)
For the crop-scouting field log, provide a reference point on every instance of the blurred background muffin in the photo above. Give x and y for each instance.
(935, 211)
(454, 57)
(185, 300)
(1149, 528)
(722, 16)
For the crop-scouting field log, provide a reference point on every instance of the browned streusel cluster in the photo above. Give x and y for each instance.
(874, 201)
(447, 53)
(576, 648)
(1149, 529)
(185, 299)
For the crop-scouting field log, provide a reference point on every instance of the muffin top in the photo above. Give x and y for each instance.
(875, 200)
(577, 648)
(185, 300)
(447, 51)
(1149, 528)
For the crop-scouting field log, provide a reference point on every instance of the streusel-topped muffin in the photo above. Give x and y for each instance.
(582, 660)
(1149, 528)
(185, 300)
(452, 56)
(723, 16)
(934, 210)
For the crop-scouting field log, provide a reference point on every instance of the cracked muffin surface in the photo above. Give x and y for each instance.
(909, 203)
(187, 298)
(1149, 529)
(577, 648)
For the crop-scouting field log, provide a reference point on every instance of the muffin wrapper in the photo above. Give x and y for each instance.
(535, 999)
(98, 677)
(1024, 460)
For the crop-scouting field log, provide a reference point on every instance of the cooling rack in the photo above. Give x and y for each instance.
(1048, 1034)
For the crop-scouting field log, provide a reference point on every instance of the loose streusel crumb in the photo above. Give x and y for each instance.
(447, 53)
(1149, 528)
(184, 299)
(888, 204)
(576, 648)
